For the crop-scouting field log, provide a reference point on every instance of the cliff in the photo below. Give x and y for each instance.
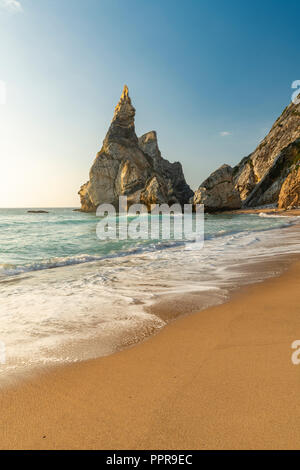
(267, 176)
(289, 196)
(259, 177)
(132, 167)
(268, 189)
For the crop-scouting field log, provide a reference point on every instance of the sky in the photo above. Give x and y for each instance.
(210, 77)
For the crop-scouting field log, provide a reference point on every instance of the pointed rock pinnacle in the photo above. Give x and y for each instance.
(122, 124)
(124, 111)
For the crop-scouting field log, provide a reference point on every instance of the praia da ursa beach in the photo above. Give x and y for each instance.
(149, 229)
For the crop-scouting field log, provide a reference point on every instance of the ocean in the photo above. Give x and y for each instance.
(66, 296)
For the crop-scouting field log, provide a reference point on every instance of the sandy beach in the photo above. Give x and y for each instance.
(219, 379)
(149, 228)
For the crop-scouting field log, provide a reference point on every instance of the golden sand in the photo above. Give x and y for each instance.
(219, 379)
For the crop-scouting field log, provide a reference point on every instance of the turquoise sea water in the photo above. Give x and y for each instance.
(65, 295)
(61, 237)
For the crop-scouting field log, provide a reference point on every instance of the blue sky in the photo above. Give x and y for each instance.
(209, 77)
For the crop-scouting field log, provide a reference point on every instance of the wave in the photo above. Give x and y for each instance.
(90, 311)
(246, 231)
(29, 251)
(222, 237)
(47, 223)
(9, 269)
(12, 270)
(277, 216)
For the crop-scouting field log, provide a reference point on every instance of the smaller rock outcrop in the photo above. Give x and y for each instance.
(217, 192)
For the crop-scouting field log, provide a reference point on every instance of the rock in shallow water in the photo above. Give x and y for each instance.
(37, 212)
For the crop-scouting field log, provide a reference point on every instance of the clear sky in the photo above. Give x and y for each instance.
(209, 76)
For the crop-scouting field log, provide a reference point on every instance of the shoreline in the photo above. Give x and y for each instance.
(218, 379)
(164, 307)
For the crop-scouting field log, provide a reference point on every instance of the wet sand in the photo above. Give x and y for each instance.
(218, 379)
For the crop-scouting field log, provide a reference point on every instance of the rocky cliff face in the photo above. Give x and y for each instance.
(253, 169)
(268, 189)
(270, 175)
(132, 167)
(289, 196)
(217, 192)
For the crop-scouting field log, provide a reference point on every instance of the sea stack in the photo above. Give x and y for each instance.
(132, 167)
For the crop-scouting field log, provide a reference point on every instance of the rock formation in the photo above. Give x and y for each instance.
(252, 169)
(132, 167)
(135, 168)
(251, 174)
(269, 175)
(217, 192)
(268, 189)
